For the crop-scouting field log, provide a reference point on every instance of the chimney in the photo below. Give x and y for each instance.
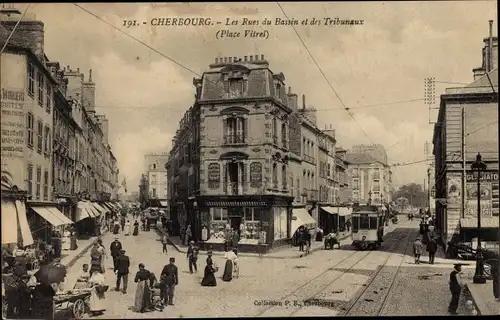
(289, 90)
(251, 58)
(225, 59)
(303, 101)
(90, 75)
(262, 57)
(256, 57)
(29, 32)
(245, 57)
(216, 60)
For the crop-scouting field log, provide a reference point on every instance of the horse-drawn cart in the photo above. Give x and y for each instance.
(76, 302)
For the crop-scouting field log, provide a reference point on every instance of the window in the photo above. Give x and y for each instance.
(284, 141)
(364, 222)
(48, 101)
(373, 223)
(154, 192)
(38, 181)
(46, 185)
(40, 89)
(280, 223)
(278, 90)
(355, 223)
(31, 79)
(30, 122)
(275, 176)
(328, 171)
(235, 130)
(235, 88)
(39, 136)
(154, 166)
(298, 189)
(46, 141)
(304, 150)
(283, 178)
(275, 131)
(30, 180)
(218, 214)
(355, 183)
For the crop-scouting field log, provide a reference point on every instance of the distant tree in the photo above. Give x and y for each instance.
(410, 194)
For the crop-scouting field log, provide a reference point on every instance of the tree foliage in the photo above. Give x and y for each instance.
(410, 194)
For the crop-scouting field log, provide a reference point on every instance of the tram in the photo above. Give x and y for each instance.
(367, 227)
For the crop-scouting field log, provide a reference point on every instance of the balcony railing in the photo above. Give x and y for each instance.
(234, 138)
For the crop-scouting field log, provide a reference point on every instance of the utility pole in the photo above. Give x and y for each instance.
(464, 164)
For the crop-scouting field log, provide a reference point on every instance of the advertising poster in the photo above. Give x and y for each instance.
(486, 193)
(13, 124)
(454, 191)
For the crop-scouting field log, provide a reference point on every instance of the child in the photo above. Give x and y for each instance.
(164, 241)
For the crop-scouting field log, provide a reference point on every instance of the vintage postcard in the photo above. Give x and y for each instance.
(249, 159)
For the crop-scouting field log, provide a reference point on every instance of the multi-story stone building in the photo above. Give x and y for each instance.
(40, 130)
(467, 125)
(157, 176)
(370, 173)
(343, 192)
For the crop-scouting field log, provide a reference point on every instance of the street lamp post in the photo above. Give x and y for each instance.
(369, 197)
(479, 276)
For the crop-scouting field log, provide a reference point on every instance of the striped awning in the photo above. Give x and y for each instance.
(226, 204)
(471, 223)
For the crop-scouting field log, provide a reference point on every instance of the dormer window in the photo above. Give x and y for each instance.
(235, 88)
(278, 90)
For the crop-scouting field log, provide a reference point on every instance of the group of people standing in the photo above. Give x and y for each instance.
(123, 224)
(231, 268)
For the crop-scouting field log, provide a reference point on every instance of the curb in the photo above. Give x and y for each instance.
(254, 255)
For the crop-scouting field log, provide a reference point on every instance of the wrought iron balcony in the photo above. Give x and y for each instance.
(234, 138)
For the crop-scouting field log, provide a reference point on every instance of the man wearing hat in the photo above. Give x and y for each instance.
(115, 248)
(192, 255)
(122, 271)
(169, 279)
(455, 288)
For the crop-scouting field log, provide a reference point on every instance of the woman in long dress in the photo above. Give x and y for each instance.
(96, 258)
(127, 228)
(142, 294)
(231, 260)
(209, 276)
(136, 228)
(97, 298)
(116, 227)
(104, 255)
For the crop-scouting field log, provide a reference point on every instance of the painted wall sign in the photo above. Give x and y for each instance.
(13, 131)
(488, 193)
(214, 175)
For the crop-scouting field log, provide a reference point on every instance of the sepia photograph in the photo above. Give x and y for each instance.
(249, 159)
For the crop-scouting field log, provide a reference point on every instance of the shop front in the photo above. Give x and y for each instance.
(469, 231)
(301, 218)
(48, 225)
(86, 220)
(260, 222)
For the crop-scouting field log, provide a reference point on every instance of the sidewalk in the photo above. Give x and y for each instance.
(482, 296)
(285, 252)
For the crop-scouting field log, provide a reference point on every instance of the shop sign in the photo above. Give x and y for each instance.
(487, 179)
(13, 126)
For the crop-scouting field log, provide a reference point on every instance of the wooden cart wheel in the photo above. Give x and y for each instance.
(78, 309)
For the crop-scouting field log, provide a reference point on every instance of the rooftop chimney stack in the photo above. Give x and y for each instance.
(251, 58)
(90, 75)
(262, 57)
(289, 90)
(303, 101)
(245, 57)
(256, 57)
(216, 60)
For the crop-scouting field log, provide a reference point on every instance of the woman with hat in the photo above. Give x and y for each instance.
(209, 275)
(231, 260)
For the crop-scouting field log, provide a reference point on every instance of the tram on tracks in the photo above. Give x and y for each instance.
(368, 223)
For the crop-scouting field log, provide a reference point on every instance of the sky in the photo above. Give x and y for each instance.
(370, 66)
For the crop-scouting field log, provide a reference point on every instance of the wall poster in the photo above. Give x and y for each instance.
(454, 188)
(214, 176)
(487, 180)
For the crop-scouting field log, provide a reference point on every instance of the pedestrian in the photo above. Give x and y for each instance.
(43, 301)
(192, 255)
(103, 253)
(348, 225)
(115, 248)
(169, 227)
(142, 293)
(300, 239)
(122, 222)
(231, 260)
(209, 257)
(96, 259)
(189, 234)
(308, 237)
(209, 275)
(164, 242)
(116, 227)
(126, 229)
(170, 279)
(143, 222)
(122, 271)
(432, 248)
(417, 250)
(17, 294)
(97, 301)
(455, 288)
(82, 282)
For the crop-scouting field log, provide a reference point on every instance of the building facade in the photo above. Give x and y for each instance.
(464, 128)
(157, 176)
(41, 130)
(371, 175)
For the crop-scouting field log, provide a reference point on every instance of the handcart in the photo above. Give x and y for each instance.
(76, 302)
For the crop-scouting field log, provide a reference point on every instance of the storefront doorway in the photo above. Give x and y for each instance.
(235, 223)
(235, 216)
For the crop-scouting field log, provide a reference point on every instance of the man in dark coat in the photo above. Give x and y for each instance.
(169, 279)
(169, 227)
(455, 288)
(192, 255)
(432, 249)
(17, 294)
(114, 249)
(122, 271)
(122, 222)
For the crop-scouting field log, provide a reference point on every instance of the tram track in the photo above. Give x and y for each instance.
(300, 297)
(355, 308)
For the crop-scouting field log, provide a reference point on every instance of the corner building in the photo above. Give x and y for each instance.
(244, 155)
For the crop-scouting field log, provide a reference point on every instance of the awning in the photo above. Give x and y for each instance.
(344, 211)
(92, 210)
(82, 212)
(164, 203)
(52, 216)
(300, 217)
(26, 236)
(9, 222)
(100, 208)
(471, 223)
(330, 210)
(110, 205)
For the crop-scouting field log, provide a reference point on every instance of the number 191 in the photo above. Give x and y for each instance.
(129, 23)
